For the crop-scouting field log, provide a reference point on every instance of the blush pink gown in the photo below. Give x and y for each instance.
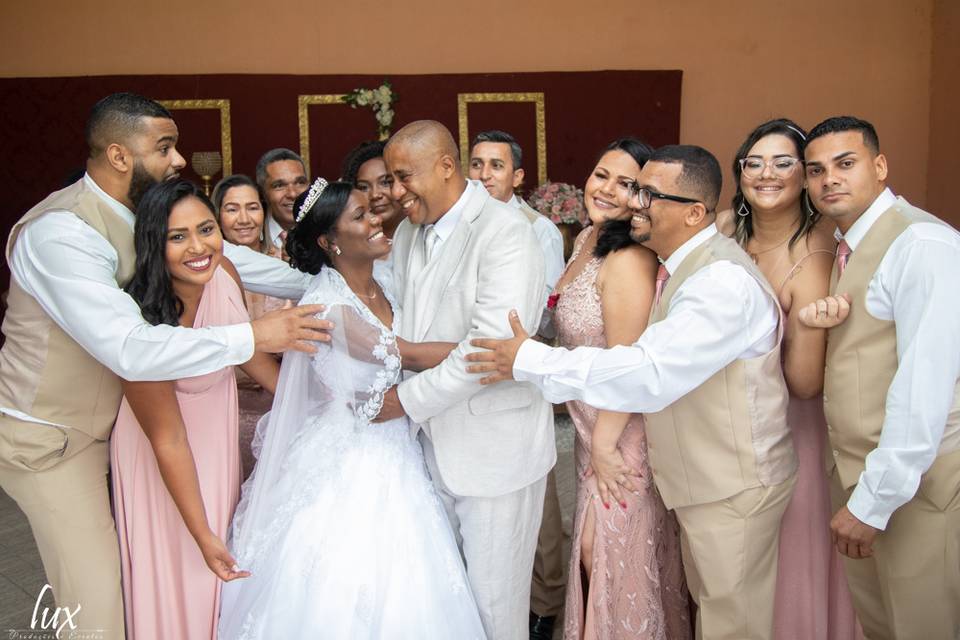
(637, 589)
(168, 591)
(812, 600)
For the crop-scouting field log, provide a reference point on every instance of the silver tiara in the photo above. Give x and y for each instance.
(316, 190)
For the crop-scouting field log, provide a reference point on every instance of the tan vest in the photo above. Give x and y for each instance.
(730, 433)
(43, 371)
(862, 352)
(529, 212)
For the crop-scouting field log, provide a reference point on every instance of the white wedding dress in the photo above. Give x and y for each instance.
(339, 524)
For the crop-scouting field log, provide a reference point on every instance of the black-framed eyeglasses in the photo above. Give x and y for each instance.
(647, 195)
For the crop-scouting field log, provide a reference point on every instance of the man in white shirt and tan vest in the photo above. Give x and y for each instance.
(891, 391)
(72, 333)
(706, 373)
(496, 160)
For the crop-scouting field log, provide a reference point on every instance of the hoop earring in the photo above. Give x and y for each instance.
(743, 210)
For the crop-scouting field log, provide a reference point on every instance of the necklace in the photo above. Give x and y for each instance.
(363, 295)
(755, 255)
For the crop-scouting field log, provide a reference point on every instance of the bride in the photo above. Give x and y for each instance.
(339, 524)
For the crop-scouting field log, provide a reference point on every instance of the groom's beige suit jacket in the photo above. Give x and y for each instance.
(488, 441)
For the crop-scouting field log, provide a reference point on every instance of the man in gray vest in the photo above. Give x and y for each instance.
(72, 333)
(706, 374)
(891, 389)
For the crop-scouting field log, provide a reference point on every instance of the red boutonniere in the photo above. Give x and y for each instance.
(552, 300)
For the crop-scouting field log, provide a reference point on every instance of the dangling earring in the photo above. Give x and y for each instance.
(336, 250)
(743, 210)
(809, 204)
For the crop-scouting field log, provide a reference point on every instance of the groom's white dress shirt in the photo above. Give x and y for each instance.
(69, 268)
(718, 315)
(915, 286)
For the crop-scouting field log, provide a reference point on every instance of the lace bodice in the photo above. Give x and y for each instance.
(578, 315)
(366, 348)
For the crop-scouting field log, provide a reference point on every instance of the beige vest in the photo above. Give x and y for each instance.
(730, 433)
(43, 371)
(862, 352)
(529, 212)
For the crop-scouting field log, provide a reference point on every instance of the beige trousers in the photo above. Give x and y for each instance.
(497, 537)
(68, 507)
(910, 588)
(729, 552)
(548, 589)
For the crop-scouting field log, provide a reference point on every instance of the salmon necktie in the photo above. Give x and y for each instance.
(662, 276)
(843, 254)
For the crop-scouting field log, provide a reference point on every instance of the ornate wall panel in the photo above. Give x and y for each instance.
(561, 132)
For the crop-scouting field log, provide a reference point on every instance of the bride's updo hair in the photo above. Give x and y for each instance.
(302, 247)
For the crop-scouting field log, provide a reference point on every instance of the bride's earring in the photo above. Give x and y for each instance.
(743, 210)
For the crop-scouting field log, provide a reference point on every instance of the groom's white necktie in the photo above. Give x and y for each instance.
(431, 240)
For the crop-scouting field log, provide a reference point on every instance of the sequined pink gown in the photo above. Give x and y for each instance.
(637, 588)
(168, 591)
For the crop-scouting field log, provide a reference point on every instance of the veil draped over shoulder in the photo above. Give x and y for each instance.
(339, 524)
(340, 389)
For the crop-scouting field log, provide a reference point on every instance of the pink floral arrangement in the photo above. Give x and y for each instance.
(559, 201)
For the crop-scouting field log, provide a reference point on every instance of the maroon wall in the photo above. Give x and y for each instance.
(43, 118)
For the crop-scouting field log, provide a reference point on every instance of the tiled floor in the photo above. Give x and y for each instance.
(21, 572)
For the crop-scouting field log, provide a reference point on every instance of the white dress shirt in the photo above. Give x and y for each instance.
(448, 221)
(718, 315)
(274, 230)
(69, 268)
(551, 241)
(915, 287)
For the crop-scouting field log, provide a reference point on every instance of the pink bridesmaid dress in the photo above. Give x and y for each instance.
(812, 600)
(637, 588)
(168, 591)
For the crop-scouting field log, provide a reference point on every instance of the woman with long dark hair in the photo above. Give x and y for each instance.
(625, 577)
(775, 223)
(339, 525)
(174, 453)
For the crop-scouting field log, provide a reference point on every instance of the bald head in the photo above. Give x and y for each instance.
(425, 165)
(426, 138)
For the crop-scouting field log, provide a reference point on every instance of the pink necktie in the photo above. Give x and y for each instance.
(662, 276)
(843, 254)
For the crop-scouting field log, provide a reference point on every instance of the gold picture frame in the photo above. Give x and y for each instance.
(303, 119)
(540, 109)
(223, 104)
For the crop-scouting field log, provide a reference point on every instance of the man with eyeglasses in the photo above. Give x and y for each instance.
(706, 373)
(891, 389)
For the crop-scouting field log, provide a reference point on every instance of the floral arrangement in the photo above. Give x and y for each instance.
(559, 201)
(380, 100)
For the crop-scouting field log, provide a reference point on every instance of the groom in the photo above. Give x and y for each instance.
(461, 260)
